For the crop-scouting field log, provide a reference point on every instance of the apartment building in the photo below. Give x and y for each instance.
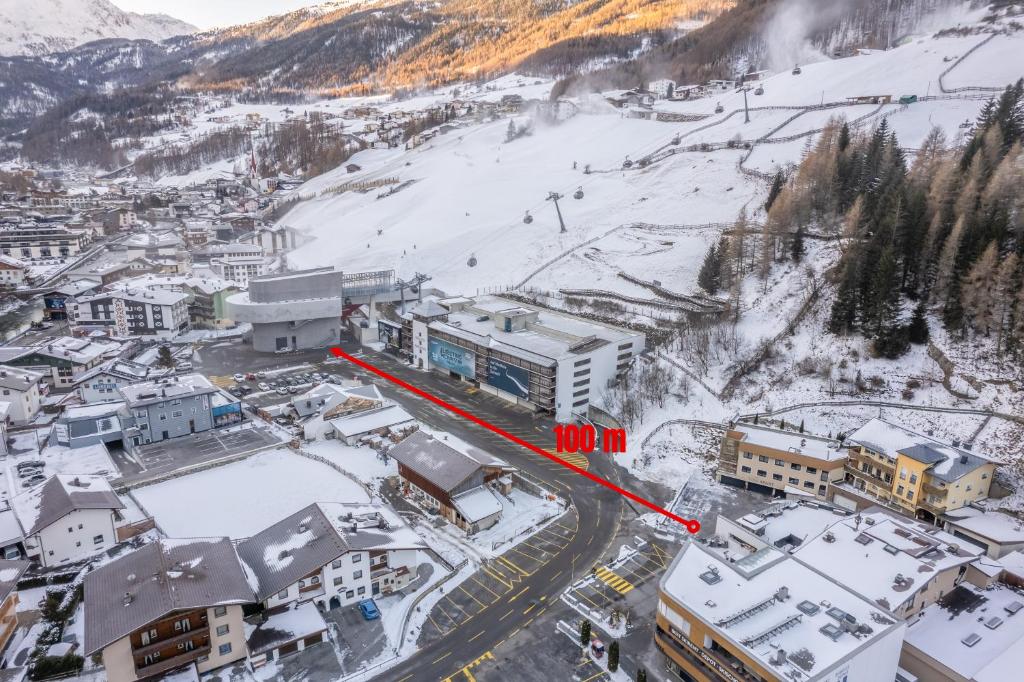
(764, 616)
(239, 268)
(171, 605)
(779, 462)
(12, 272)
(20, 388)
(176, 406)
(332, 554)
(157, 313)
(10, 574)
(36, 241)
(915, 474)
(68, 518)
(61, 359)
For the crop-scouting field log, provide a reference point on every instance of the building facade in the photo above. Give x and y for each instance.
(41, 242)
(175, 406)
(21, 388)
(158, 313)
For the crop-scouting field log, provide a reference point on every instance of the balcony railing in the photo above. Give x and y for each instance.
(161, 644)
(932, 489)
(172, 662)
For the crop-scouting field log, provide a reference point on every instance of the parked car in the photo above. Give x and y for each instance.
(369, 609)
(261, 375)
(293, 389)
(239, 378)
(29, 472)
(280, 351)
(235, 391)
(31, 464)
(282, 391)
(263, 386)
(35, 480)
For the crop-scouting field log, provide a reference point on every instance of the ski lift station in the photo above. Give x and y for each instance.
(538, 358)
(302, 309)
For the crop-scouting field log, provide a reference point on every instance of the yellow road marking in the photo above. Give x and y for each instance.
(530, 608)
(500, 579)
(471, 596)
(484, 586)
(439, 628)
(506, 615)
(476, 635)
(513, 566)
(438, 660)
(517, 594)
(594, 676)
(613, 580)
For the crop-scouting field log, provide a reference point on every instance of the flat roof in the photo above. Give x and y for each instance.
(784, 605)
(976, 633)
(804, 444)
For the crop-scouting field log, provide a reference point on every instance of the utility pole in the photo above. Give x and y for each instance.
(746, 110)
(555, 196)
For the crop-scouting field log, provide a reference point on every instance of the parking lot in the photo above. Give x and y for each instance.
(500, 579)
(150, 461)
(292, 380)
(608, 585)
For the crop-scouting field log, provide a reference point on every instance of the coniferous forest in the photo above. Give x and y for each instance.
(935, 233)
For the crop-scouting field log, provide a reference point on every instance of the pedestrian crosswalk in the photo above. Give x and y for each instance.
(613, 580)
(222, 381)
(576, 459)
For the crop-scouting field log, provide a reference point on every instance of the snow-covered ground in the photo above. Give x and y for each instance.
(243, 498)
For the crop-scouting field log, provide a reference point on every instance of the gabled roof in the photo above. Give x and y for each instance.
(61, 495)
(160, 578)
(315, 536)
(10, 573)
(435, 461)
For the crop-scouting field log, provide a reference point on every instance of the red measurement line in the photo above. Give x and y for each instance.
(692, 525)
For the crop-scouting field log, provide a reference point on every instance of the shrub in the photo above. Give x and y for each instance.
(52, 666)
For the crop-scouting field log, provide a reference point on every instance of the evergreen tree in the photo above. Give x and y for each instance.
(164, 358)
(801, 426)
(641, 675)
(710, 276)
(510, 133)
(843, 318)
(777, 184)
(979, 292)
(796, 246)
(918, 332)
(844, 137)
(585, 633)
(613, 656)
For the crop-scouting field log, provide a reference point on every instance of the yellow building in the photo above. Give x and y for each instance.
(912, 473)
(10, 573)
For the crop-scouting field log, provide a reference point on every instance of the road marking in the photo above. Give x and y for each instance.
(531, 607)
(613, 580)
(506, 615)
(517, 594)
(496, 595)
(513, 566)
(471, 596)
(438, 660)
(594, 676)
(476, 635)
(439, 629)
(500, 579)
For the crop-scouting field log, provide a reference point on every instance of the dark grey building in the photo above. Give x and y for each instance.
(176, 406)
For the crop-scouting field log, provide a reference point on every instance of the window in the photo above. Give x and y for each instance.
(910, 494)
(315, 580)
(777, 477)
(762, 458)
(913, 478)
(225, 649)
(223, 630)
(582, 373)
(824, 475)
(812, 470)
(356, 575)
(903, 474)
(338, 581)
(350, 594)
(356, 558)
(97, 540)
(899, 490)
(176, 413)
(821, 490)
(745, 470)
(809, 484)
(762, 472)
(580, 363)
(747, 455)
(220, 611)
(361, 590)
(302, 583)
(795, 467)
(163, 417)
(70, 529)
(794, 481)
(779, 463)
(582, 382)
(283, 594)
(336, 564)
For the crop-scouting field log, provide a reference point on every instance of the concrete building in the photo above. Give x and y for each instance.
(68, 518)
(176, 406)
(239, 268)
(998, 532)
(333, 554)
(36, 241)
(84, 425)
(171, 605)
(12, 272)
(61, 359)
(765, 616)
(779, 462)
(20, 388)
(453, 482)
(101, 383)
(157, 313)
(910, 472)
(541, 359)
(291, 310)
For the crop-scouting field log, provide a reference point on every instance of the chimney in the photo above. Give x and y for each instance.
(782, 594)
(127, 598)
(963, 459)
(355, 527)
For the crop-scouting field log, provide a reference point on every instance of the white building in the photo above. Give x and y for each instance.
(535, 357)
(769, 616)
(12, 272)
(663, 88)
(68, 518)
(62, 359)
(158, 313)
(20, 388)
(333, 554)
(998, 532)
(239, 268)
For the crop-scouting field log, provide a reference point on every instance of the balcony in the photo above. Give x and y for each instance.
(172, 662)
(719, 666)
(931, 489)
(161, 644)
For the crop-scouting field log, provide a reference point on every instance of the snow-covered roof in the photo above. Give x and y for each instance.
(371, 420)
(62, 494)
(438, 462)
(804, 444)
(162, 577)
(10, 573)
(91, 411)
(148, 392)
(885, 558)
(994, 525)
(477, 504)
(317, 535)
(1013, 563)
(18, 379)
(152, 296)
(283, 627)
(775, 604)
(979, 634)
(79, 351)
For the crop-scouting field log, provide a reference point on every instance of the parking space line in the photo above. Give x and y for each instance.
(496, 595)
(513, 566)
(499, 579)
(436, 626)
(471, 596)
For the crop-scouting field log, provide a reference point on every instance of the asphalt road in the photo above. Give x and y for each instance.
(453, 650)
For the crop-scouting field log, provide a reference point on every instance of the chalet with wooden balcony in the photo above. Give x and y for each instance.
(332, 554)
(914, 474)
(10, 573)
(457, 483)
(170, 605)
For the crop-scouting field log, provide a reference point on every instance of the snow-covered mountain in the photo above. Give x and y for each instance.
(35, 27)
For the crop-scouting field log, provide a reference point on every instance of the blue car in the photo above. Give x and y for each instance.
(369, 609)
